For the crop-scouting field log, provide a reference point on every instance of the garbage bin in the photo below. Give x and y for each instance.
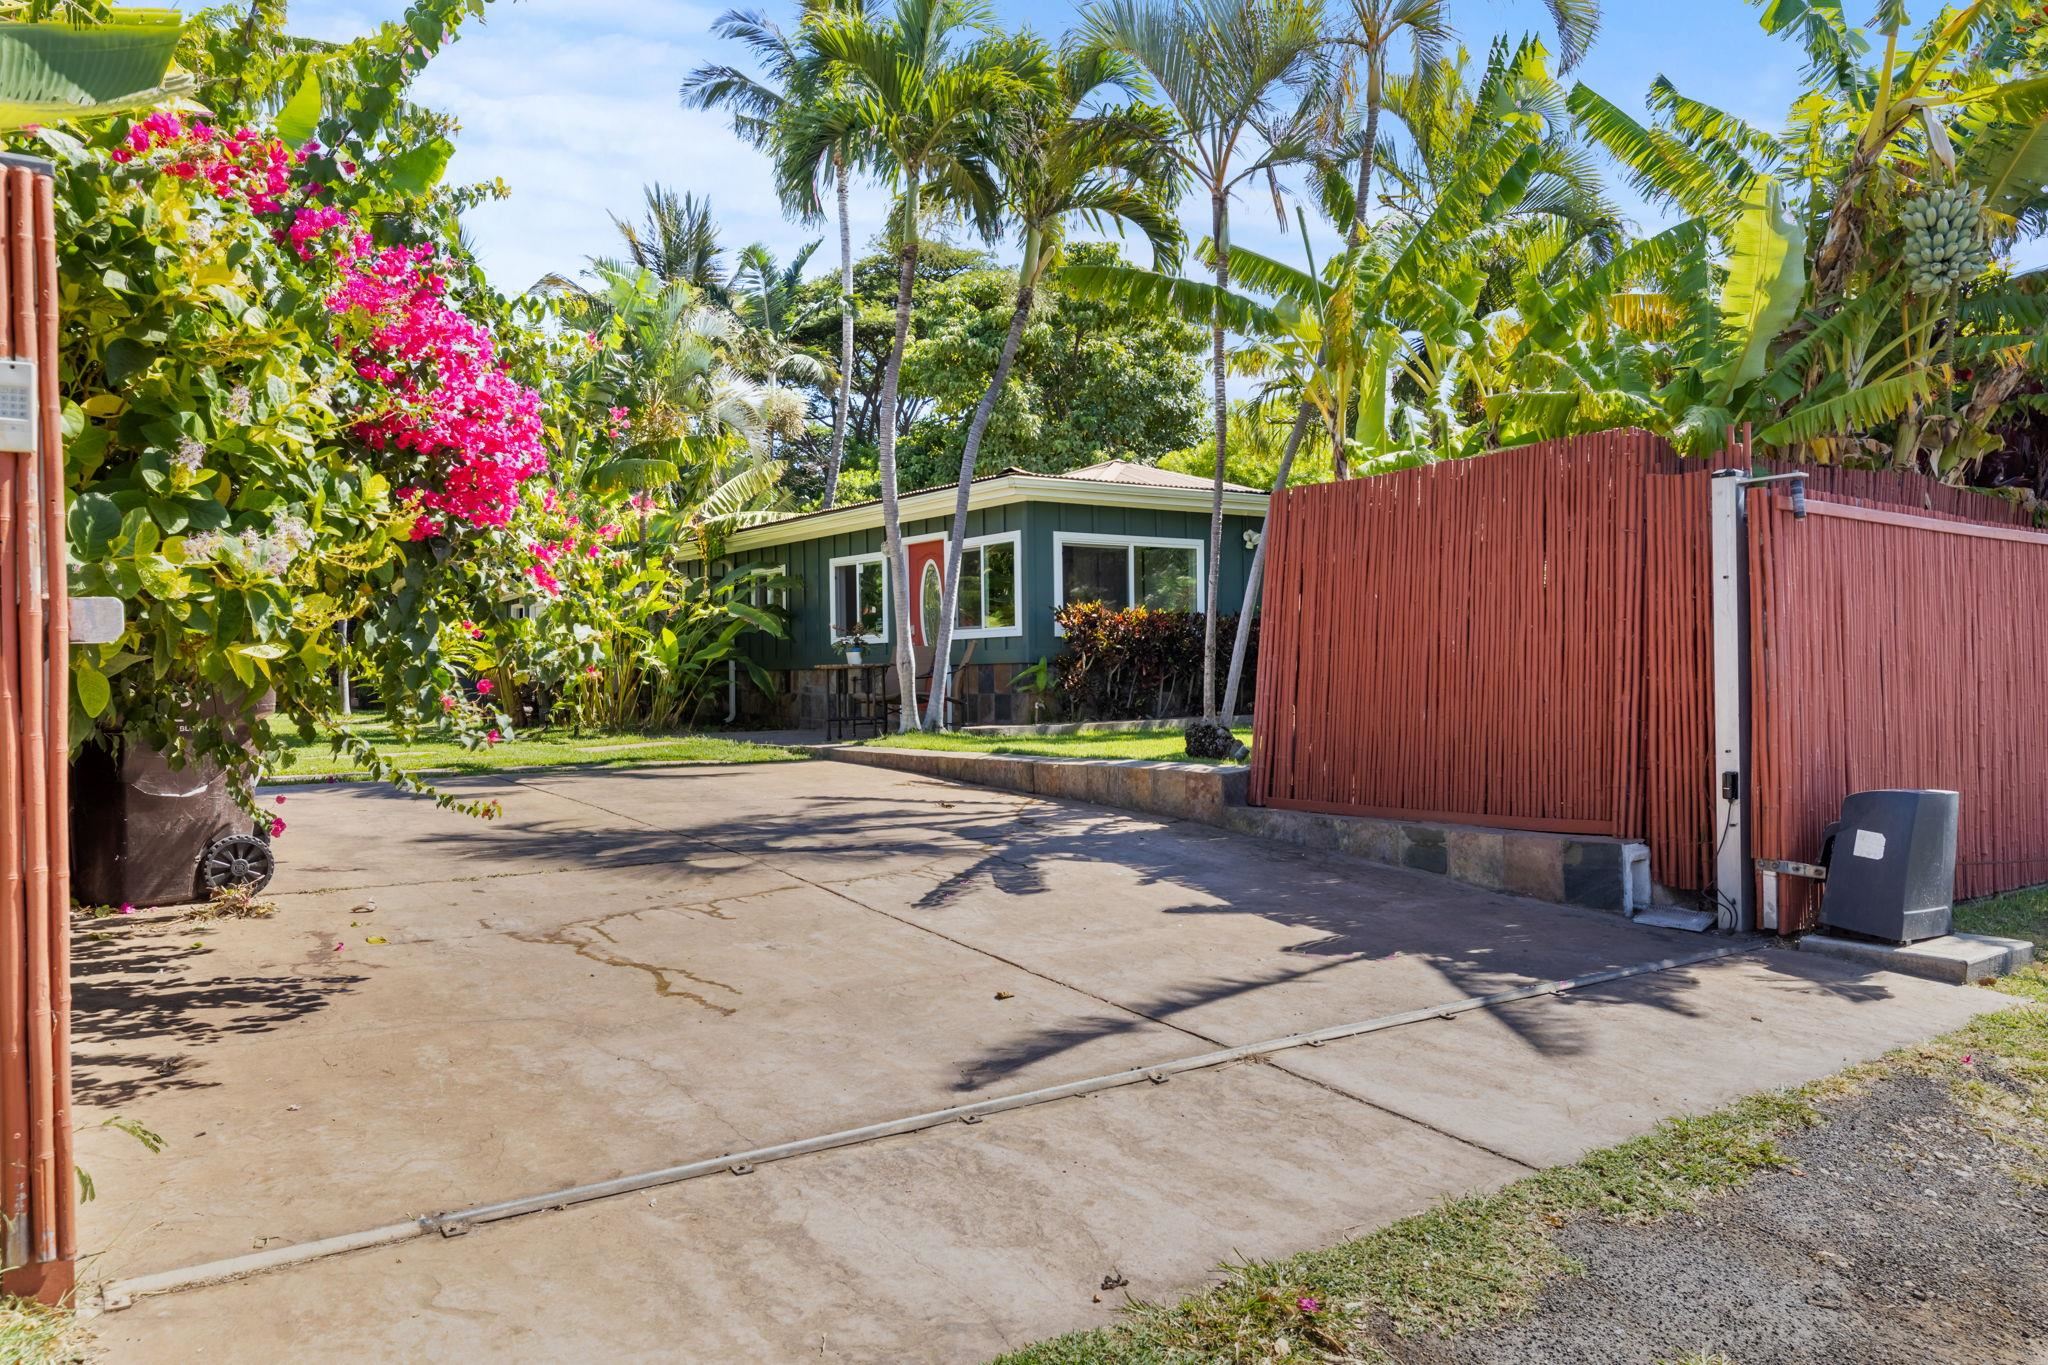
(1891, 863)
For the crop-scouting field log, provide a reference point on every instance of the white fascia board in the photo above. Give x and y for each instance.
(1001, 492)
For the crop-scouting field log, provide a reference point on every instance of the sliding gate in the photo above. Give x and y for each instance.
(1893, 648)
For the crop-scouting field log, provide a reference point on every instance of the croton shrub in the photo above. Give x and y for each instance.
(1136, 663)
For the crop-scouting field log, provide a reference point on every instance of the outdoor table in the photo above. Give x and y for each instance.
(854, 698)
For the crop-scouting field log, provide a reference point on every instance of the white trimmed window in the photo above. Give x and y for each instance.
(765, 596)
(860, 597)
(1128, 571)
(991, 587)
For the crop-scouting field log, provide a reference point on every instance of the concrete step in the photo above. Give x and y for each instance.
(1961, 959)
(1671, 917)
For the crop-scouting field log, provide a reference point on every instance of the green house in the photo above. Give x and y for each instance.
(1115, 532)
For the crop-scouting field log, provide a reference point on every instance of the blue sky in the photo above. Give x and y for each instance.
(573, 104)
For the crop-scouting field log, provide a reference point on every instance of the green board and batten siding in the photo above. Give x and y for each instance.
(810, 640)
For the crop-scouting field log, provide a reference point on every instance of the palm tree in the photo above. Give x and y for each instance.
(697, 422)
(760, 109)
(1223, 68)
(1378, 26)
(677, 241)
(1110, 165)
(928, 108)
(765, 289)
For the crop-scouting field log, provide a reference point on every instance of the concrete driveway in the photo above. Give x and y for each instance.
(634, 969)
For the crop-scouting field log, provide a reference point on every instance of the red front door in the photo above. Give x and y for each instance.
(927, 562)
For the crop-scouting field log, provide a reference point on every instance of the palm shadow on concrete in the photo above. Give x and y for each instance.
(144, 1009)
(1350, 910)
(968, 842)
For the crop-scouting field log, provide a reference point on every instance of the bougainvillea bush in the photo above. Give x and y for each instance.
(274, 424)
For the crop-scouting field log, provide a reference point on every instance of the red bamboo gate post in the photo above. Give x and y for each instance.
(37, 1180)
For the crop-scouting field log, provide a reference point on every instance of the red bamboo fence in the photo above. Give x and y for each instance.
(1892, 649)
(1525, 641)
(36, 1176)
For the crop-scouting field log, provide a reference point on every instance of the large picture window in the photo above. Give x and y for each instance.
(859, 604)
(1165, 575)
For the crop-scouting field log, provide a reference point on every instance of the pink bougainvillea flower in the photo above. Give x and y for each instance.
(127, 909)
(280, 800)
(337, 945)
(493, 737)
(449, 701)
(276, 826)
(485, 687)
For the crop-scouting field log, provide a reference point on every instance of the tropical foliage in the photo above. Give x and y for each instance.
(307, 436)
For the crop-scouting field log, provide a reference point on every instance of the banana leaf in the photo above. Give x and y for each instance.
(52, 72)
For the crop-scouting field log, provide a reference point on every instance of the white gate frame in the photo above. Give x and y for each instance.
(1735, 897)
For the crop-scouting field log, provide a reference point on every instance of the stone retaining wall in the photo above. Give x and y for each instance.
(1569, 869)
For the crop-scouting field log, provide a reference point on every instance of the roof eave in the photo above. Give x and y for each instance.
(997, 492)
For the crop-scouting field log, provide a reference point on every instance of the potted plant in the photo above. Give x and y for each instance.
(868, 628)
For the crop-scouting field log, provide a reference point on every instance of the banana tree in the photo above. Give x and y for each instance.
(1853, 241)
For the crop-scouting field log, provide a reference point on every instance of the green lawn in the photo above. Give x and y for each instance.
(2017, 914)
(1153, 744)
(529, 749)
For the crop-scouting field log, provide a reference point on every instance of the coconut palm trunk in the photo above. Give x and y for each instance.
(1254, 577)
(844, 399)
(1219, 217)
(949, 612)
(1361, 210)
(897, 583)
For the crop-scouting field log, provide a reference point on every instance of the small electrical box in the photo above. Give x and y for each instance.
(18, 405)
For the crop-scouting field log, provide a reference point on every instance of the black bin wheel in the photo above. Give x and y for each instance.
(237, 862)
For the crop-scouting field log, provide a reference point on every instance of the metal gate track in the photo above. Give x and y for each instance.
(121, 1293)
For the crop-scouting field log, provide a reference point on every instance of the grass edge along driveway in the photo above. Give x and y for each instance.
(542, 748)
(1472, 1261)
(1164, 746)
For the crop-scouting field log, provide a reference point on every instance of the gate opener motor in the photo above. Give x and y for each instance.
(1889, 865)
(18, 404)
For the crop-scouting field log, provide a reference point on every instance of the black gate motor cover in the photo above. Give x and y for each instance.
(1891, 863)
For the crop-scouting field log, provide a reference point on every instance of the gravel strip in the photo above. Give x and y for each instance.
(1900, 1236)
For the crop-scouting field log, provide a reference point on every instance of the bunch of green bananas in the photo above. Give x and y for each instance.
(1945, 243)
